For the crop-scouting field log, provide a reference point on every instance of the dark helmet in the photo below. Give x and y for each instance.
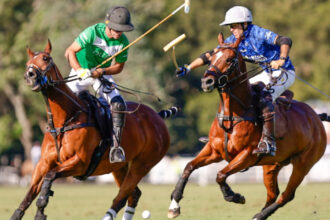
(119, 19)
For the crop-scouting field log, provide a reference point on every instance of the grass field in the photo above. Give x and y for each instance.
(90, 201)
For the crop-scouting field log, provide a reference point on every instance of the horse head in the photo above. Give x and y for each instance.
(223, 65)
(38, 74)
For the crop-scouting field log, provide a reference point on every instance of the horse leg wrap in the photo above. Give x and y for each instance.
(44, 195)
(40, 216)
(129, 213)
(230, 196)
(264, 214)
(117, 206)
(177, 194)
(18, 214)
(136, 196)
(110, 215)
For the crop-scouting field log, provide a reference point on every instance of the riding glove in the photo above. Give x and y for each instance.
(83, 73)
(182, 71)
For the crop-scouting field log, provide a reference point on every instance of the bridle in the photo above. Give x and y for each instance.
(222, 77)
(225, 85)
(45, 82)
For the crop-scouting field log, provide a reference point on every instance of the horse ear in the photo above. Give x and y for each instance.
(48, 47)
(220, 38)
(238, 41)
(29, 52)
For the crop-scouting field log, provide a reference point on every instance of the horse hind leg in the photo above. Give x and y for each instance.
(270, 173)
(133, 198)
(299, 171)
(132, 203)
(205, 157)
(128, 189)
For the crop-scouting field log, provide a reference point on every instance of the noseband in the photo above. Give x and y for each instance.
(44, 80)
(222, 77)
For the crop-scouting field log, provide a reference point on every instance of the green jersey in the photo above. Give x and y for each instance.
(96, 47)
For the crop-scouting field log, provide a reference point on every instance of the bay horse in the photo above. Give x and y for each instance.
(145, 140)
(235, 132)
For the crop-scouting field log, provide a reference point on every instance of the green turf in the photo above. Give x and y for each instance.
(90, 201)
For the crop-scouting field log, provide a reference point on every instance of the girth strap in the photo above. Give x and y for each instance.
(234, 120)
(69, 127)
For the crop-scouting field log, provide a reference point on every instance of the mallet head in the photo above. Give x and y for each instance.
(186, 6)
(174, 42)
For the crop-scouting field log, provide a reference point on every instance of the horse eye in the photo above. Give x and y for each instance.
(45, 58)
(229, 60)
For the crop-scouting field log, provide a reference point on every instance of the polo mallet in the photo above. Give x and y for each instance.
(172, 45)
(185, 5)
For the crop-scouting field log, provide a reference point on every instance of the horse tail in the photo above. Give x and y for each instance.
(324, 117)
(167, 113)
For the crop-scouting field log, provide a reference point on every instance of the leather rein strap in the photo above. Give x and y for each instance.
(55, 132)
(234, 120)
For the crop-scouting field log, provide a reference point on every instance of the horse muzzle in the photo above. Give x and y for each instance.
(208, 84)
(33, 80)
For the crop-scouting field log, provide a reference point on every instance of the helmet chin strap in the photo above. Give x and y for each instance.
(244, 27)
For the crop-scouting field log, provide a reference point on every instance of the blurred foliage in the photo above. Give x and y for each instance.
(149, 69)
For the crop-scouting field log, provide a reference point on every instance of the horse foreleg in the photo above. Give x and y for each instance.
(44, 195)
(205, 157)
(241, 161)
(63, 170)
(270, 173)
(34, 190)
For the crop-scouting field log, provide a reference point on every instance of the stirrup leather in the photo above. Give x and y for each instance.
(117, 155)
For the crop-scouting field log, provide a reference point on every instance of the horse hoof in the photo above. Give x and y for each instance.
(173, 213)
(241, 199)
(18, 214)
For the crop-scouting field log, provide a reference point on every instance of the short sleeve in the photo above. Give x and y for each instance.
(86, 37)
(267, 36)
(122, 58)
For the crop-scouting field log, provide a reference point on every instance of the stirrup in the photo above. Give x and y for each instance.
(117, 155)
(265, 147)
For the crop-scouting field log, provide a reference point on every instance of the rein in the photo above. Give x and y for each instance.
(224, 87)
(46, 81)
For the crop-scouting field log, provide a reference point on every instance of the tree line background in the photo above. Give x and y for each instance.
(32, 22)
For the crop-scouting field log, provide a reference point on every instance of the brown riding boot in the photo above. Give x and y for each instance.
(267, 144)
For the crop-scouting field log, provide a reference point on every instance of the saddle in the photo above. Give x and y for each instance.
(100, 111)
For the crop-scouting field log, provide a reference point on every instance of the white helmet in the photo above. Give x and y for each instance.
(237, 14)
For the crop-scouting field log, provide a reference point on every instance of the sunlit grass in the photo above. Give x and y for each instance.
(90, 201)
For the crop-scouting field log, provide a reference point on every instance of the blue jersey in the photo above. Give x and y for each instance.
(259, 46)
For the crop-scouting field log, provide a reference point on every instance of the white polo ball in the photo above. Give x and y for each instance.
(146, 214)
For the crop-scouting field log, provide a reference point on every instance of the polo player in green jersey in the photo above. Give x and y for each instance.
(93, 46)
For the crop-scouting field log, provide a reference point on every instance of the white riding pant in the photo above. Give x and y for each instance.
(79, 85)
(285, 78)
